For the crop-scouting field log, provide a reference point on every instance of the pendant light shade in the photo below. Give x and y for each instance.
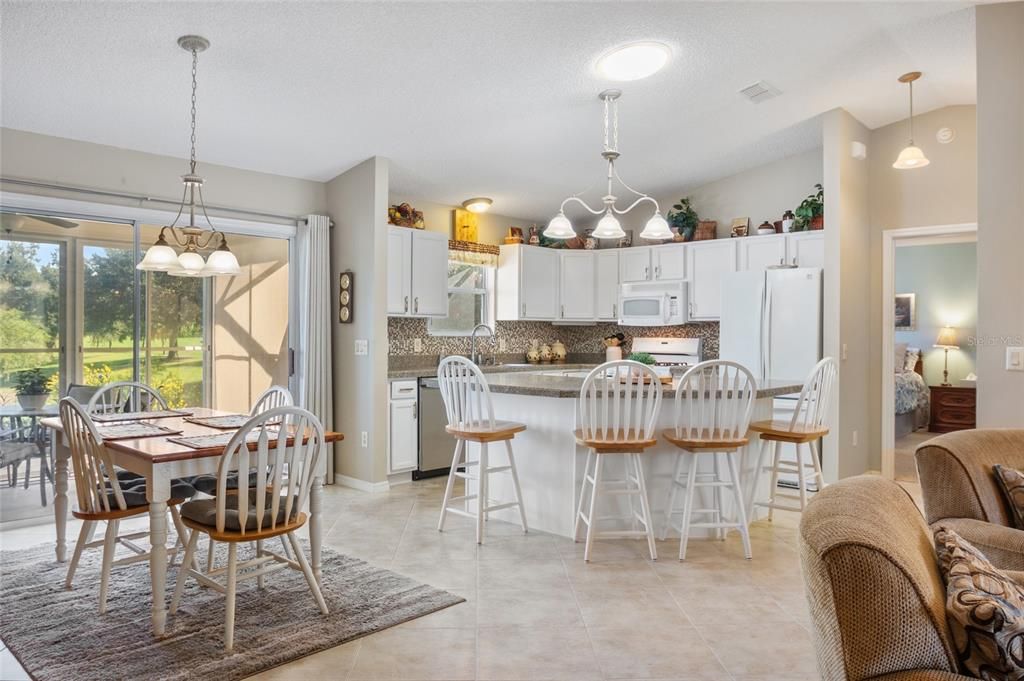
(911, 157)
(608, 227)
(222, 262)
(192, 265)
(559, 228)
(656, 228)
(160, 258)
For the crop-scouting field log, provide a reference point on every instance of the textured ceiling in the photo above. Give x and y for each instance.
(474, 99)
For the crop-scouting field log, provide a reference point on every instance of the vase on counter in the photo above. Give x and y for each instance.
(533, 352)
(613, 353)
(558, 352)
(545, 353)
(787, 221)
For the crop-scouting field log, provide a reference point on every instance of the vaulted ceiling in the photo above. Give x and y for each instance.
(469, 99)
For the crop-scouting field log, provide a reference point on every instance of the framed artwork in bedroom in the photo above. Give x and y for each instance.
(906, 312)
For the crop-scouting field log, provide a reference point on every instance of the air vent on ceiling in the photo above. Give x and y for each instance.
(760, 91)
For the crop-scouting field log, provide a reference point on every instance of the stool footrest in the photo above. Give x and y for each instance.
(498, 507)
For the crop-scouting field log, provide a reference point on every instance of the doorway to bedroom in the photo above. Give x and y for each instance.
(929, 340)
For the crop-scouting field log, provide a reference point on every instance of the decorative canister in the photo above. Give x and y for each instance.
(545, 353)
(533, 352)
(534, 236)
(787, 221)
(765, 228)
(613, 353)
(558, 351)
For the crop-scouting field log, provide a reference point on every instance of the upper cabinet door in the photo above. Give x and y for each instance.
(538, 283)
(635, 264)
(761, 252)
(669, 261)
(398, 266)
(429, 274)
(606, 264)
(707, 261)
(807, 249)
(577, 285)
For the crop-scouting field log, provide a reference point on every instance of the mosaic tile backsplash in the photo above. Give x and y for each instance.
(517, 335)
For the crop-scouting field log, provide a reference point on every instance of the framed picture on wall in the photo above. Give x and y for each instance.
(906, 312)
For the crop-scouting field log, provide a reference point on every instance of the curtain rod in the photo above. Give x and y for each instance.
(143, 198)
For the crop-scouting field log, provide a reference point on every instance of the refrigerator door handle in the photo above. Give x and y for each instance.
(767, 344)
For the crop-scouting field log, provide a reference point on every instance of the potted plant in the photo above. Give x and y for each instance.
(810, 214)
(30, 386)
(683, 219)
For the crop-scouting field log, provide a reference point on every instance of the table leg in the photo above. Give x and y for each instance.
(60, 498)
(158, 491)
(316, 523)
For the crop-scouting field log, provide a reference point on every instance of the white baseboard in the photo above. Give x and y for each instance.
(361, 485)
(400, 479)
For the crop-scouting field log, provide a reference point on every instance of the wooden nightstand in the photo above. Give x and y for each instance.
(952, 409)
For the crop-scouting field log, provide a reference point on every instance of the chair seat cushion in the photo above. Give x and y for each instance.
(207, 484)
(204, 512)
(133, 489)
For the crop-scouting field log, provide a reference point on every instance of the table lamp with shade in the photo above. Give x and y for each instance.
(947, 340)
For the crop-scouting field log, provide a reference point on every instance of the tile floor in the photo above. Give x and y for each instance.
(535, 611)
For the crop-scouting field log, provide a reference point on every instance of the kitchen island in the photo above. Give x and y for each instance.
(550, 464)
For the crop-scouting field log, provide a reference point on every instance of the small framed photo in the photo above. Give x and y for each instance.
(906, 312)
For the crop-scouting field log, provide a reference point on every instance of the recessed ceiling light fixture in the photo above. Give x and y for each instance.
(479, 204)
(911, 157)
(633, 61)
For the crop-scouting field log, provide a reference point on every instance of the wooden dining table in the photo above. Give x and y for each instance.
(159, 460)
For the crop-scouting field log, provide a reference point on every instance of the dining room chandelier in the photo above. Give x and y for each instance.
(191, 238)
(608, 227)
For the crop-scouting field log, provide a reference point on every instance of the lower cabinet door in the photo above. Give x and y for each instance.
(403, 440)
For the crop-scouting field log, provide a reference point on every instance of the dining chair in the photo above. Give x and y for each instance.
(125, 396)
(102, 497)
(809, 423)
(617, 413)
(713, 403)
(272, 397)
(470, 413)
(270, 509)
(21, 440)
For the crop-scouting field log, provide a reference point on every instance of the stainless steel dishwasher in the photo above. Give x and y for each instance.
(436, 445)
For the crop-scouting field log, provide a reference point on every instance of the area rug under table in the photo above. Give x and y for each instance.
(59, 634)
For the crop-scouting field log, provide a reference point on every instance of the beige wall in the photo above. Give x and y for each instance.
(29, 156)
(1000, 40)
(492, 227)
(357, 202)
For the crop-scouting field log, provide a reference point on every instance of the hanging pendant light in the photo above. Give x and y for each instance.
(911, 157)
(608, 227)
(161, 256)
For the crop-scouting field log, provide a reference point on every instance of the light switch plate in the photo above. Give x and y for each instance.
(1015, 359)
(417, 345)
(362, 346)
(502, 345)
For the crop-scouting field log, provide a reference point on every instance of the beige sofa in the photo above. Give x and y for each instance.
(876, 599)
(960, 490)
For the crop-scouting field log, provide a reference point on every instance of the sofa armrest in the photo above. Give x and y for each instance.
(922, 675)
(1003, 546)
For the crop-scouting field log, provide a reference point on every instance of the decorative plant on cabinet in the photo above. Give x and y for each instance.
(683, 219)
(810, 214)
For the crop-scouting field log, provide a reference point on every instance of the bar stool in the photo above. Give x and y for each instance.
(713, 402)
(618, 411)
(808, 425)
(467, 403)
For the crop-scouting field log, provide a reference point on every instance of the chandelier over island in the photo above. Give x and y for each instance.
(608, 226)
(161, 256)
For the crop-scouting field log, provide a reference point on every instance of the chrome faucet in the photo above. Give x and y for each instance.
(474, 353)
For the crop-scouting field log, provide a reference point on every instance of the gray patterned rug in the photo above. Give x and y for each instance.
(58, 634)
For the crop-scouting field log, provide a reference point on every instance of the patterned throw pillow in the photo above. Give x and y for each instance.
(985, 610)
(1011, 481)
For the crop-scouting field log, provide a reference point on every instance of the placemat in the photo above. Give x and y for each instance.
(140, 415)
(224, 422)
(128, 431)
(208, 441)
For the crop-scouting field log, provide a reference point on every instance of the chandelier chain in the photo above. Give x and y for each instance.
(615, 125)
(606, 147)
(195, 68)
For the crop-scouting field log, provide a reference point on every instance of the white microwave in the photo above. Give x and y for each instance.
(661, 303)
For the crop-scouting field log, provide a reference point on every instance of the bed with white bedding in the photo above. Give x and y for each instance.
(912, 394)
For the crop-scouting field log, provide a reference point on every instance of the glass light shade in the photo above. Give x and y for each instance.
(947, 338)
(159, 258)
(911, 157)
(608, 227)
(656, 228)
(477, 205)
(559, 228)
(633, 61)
(192, 265)
(222, 261)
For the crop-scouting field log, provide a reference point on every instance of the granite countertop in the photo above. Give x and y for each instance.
(541, 385)
(425, 366)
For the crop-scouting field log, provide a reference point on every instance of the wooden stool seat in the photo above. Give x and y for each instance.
(784, 431)
(617, 442)
(502, 430)
(706, 441)
(249, 535)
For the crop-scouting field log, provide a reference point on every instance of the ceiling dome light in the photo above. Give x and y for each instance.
(656, 228)
(478, 205)
(633, 61)
(559, 228)
(911, 157)
(608, 227)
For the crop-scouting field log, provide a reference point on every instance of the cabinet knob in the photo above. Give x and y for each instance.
(615, 310)
(657, 272)
(563, 310)
(647, 273)
(406, 304)
(416, 304)
(794, 261)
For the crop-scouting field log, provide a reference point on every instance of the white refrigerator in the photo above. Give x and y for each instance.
(771, 321)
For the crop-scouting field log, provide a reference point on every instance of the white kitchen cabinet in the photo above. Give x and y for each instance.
(706, 262)
(527, 283)
(576, 286)
(403, 427)
(417, 273)
(635, 264)
(606, 287)
(761, 252)
(807, 249)
(669, 262)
